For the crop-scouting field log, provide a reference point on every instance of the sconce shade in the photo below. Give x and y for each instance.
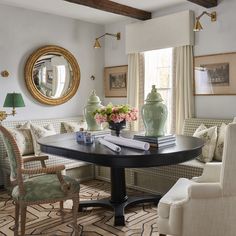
(197, 26)
(97, 44)
(14, 100)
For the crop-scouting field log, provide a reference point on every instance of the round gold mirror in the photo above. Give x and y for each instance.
(52, 75)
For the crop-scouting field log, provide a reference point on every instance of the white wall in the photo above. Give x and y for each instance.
(115, 52)
(218, 37)
(22, 31)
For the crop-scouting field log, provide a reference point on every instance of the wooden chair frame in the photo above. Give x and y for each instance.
(21, 205)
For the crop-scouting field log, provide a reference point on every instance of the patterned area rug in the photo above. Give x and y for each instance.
(45, 219)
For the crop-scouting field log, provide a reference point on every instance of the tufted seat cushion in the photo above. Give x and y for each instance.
(177, 193)
(45, 187)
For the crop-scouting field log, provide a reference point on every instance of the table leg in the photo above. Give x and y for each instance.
(118, 195)
(118, 186)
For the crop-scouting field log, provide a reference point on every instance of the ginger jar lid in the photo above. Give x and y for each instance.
(93, 98)
(154, 96)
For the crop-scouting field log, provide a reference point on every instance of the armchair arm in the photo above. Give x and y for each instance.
(211, 173)
(50, 170)
(45, 170)
(36, 158)
(205, 190)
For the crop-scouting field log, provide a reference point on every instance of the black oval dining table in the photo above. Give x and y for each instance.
(65, 145)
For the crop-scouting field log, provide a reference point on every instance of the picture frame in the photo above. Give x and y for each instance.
(49, 76)
(215, 74)
(115, 81)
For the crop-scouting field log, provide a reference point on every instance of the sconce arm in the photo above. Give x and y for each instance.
(211, 15)
(203, 13)
(114, 35)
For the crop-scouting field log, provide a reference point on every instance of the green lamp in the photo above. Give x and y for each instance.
(12, 100)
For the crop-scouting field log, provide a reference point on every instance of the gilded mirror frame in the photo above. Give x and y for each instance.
(29, 66)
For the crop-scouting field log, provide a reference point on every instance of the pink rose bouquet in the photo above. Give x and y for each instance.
(115, 113)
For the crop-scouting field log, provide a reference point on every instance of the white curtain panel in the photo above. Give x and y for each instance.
(184, 99)
(135, 87)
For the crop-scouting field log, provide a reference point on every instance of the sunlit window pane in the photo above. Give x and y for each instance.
(158, 71)
(164, 77)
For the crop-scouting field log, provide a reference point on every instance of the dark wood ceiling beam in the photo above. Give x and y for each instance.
(205, 3)
(113, 7)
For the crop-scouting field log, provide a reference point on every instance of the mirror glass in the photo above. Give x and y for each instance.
(52, 75)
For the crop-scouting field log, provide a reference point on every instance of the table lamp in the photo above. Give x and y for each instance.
(12, 100)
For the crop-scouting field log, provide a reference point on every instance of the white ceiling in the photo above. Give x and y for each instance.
(62, 8)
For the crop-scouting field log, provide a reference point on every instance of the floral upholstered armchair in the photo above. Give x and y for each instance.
(48, 186)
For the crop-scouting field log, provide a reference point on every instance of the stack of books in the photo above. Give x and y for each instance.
(159, 141)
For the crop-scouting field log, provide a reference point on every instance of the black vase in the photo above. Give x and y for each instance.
(117, 127)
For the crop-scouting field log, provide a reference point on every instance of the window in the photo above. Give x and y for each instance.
(61, 79)
(158, 71)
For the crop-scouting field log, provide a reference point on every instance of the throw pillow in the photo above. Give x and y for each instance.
(200, 128)
(74, 126)
(220, 143)
(23, 138)
(209, 136)
(40, 132)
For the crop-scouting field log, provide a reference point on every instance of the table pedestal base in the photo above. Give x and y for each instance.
(119, 215)
(119, 199)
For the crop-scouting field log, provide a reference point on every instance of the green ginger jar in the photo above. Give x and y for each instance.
(154, 114)
(93, 104)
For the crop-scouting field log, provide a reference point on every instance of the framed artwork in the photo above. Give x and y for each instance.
(49, 76)
(115, 81)
(215, 74)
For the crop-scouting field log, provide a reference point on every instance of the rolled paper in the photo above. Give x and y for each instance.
(110, 145)
(127, 142)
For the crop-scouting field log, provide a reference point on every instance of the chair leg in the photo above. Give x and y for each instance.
(23, 219)
(75, 214)
(61, 210)
(61, 205)
(17, 215)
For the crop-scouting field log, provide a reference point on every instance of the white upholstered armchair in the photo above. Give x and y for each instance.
(205, 205)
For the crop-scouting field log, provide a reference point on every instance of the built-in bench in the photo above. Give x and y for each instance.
(77, 169)
(155, 179)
